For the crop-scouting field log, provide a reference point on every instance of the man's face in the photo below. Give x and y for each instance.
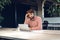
(30, 15)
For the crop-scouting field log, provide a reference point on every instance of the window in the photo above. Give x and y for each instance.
(51, 9)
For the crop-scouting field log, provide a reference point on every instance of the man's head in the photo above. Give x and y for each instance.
(30, 13)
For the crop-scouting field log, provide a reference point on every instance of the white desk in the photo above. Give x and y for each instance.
(34, 35)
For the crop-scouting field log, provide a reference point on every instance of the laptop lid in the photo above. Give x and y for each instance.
(23, 27)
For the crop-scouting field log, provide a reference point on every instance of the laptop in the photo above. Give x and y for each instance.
(23, 27)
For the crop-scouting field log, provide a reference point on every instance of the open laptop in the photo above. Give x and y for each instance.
(23, 27)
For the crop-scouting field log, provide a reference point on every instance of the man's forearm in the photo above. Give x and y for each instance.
(35, 28)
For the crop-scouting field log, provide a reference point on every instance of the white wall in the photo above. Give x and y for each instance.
(53, 19)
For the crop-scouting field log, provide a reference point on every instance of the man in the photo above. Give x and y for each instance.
(34, 22)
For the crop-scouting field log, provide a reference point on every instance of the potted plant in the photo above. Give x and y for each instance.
(2, 4)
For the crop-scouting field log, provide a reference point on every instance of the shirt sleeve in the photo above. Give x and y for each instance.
(39, 23)
(26, 21)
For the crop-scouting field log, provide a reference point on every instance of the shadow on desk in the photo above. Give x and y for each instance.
(7, 38)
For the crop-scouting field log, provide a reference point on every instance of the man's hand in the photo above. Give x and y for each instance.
(26, 16)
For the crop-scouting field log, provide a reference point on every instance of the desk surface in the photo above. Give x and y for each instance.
(33, 35)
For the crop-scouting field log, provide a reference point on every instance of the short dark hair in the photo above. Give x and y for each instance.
(30, 11)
